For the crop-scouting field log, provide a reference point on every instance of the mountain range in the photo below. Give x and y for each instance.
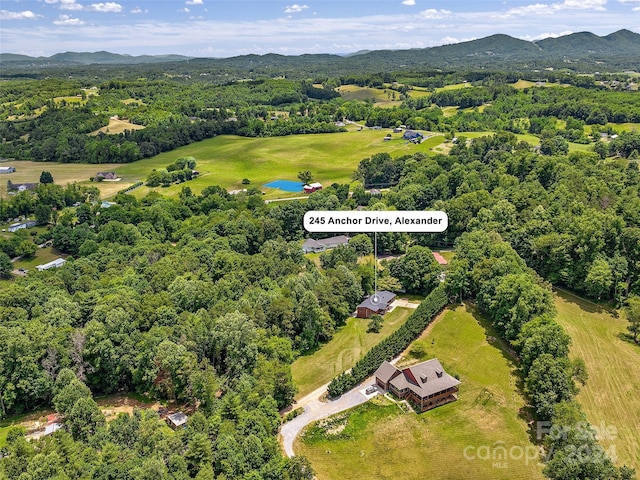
(621, 48)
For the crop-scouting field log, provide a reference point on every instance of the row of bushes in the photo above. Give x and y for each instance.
(131, 187)
(392, 345)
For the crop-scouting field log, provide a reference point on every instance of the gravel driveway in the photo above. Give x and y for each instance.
(314, 410)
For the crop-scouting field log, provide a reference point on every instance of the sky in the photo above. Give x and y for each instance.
(221, 28)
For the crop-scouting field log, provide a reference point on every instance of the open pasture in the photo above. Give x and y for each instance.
(380, 96)
(63, 173)
(227, 159)
(116, 126)
(610, 397)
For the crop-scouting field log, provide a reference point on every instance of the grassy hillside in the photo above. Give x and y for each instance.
(380, 96)
(377, 440)
(345, 348)
(610, 397)
(227, 159)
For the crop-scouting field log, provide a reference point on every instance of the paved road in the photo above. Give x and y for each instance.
(314, 410)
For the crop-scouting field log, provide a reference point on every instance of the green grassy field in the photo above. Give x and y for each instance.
(345, 348)
(227, 159)
(625, 127)
(610, 397)
(379, 441)
(455, 86)
(380, 96)
(417, 92)
(63, 173)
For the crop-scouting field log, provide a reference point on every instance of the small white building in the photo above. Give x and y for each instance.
(57, 263)
(14, 227)
(7, 169)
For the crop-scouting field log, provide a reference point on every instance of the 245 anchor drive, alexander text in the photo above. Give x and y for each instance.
(376, 221)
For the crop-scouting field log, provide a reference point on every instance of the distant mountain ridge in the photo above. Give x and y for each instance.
(491, 51)
(87, 58)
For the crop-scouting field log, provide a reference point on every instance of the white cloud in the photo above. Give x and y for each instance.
(409, 3)
(583, 4)
(433, 14)
(195, 2)
(108, 7)
(184, 10)
(67, 20)
(295, 8)
(535, 9)
(70, 5)
(552, 8)
(24, 15)
(540, 36)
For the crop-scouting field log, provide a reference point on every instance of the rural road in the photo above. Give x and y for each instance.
(314, 410)
(286, 199)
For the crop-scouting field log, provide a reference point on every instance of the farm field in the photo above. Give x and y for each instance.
(521, 84)
(625, 127)
(610, 397)
(117, 126)
(227, 159)
(346, 347)
(455, 86)
(381, 97)
(63, 173)
(378, 440)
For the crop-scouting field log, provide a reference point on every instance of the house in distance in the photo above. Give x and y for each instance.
(312, 187)
(425, 385)
(413, 136)
(316, 246)
(377, 304)
(105, 176)
(177, 420)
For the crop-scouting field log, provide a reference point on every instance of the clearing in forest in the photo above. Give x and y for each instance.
(463, 439)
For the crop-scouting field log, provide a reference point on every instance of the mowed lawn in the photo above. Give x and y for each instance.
(346, 347)
(227, 159)
(379, 441)
(611, 396)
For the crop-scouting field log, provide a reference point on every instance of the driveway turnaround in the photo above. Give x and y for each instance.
(314, 410)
